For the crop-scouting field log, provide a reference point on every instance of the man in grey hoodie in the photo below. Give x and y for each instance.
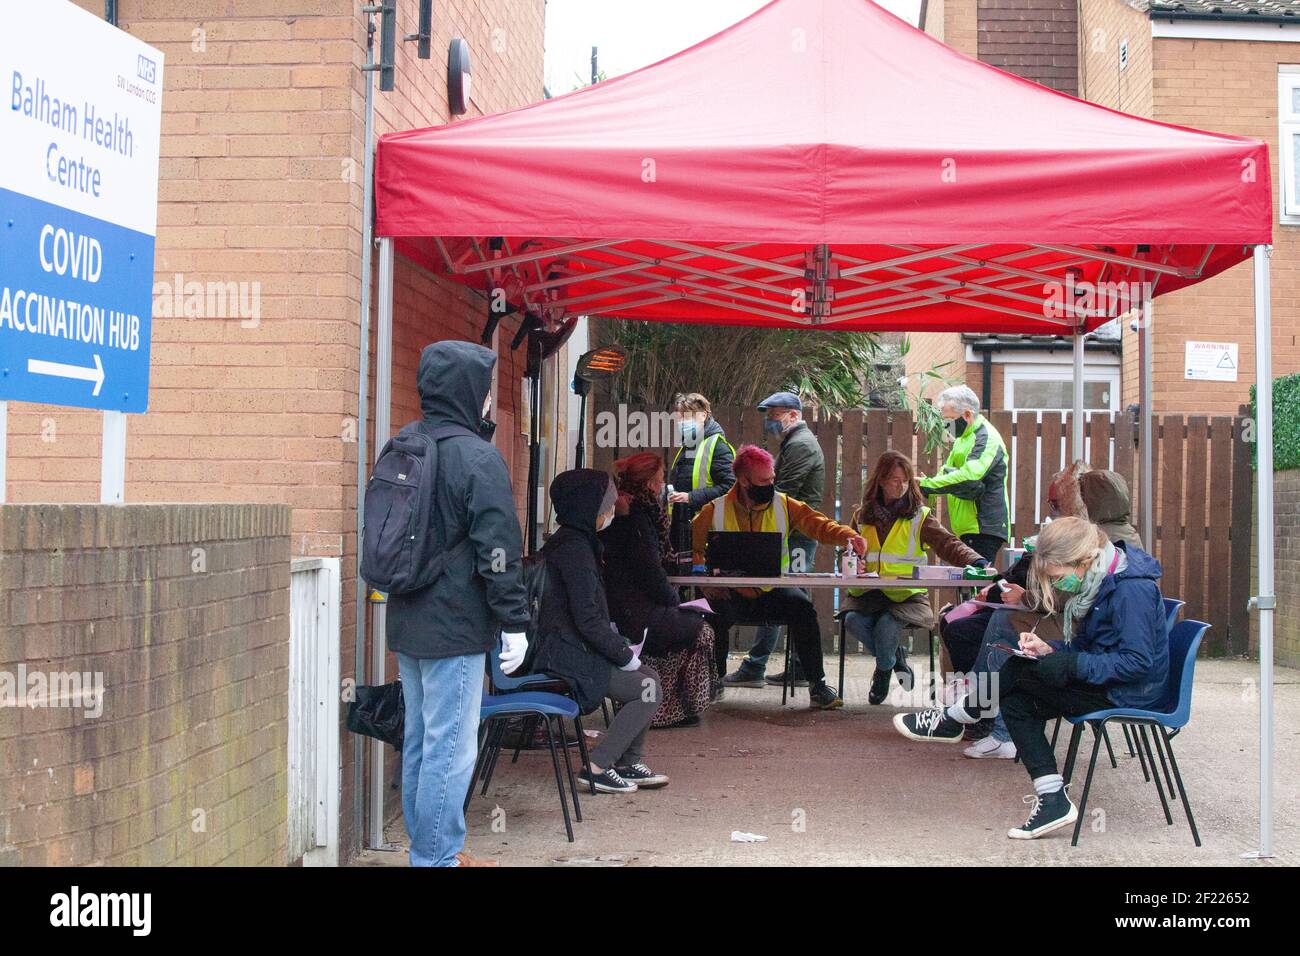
(442, 632)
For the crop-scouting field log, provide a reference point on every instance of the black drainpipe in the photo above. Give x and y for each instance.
(110, 11)
(988, 380)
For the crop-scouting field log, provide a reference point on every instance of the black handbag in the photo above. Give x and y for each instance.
(379, 712)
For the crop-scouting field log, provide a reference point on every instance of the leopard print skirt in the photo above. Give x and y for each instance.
(687, 677)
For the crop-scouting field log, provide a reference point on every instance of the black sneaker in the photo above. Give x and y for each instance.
(978, 731)
(642, 776)
(779, 678)
(607, 781)
(931, 726)
(744, 676)
(1051, 812)
(906, 677)
(879, 687)
(823, 697)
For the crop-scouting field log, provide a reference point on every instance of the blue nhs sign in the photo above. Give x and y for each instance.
(80, 117)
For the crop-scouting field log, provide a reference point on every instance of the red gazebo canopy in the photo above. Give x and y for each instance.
(822, 163)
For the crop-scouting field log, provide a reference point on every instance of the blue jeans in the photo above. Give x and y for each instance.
(879, 633)
(989, 660)
(440, 746)
(765, 638)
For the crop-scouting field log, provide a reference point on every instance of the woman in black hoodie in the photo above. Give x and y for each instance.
(679, 642)
(578, 642)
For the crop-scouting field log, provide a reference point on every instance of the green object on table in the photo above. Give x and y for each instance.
(979, 574)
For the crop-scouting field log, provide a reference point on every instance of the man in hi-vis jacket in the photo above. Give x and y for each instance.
(974, 477)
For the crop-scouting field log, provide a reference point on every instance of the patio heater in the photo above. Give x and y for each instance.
(543, 342)
(593, 366)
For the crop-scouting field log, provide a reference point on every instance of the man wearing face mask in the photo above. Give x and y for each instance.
(801, 474)
(442, 632)
(754, 504)
(701, 469)
(974, 477)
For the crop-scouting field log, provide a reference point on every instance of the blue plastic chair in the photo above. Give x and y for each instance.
(503, 683)
(495, 712)
(1172, 607)
(1169, 715)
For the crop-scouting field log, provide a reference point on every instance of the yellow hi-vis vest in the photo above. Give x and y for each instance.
(775, 518)
(703, 463)
(901, 552)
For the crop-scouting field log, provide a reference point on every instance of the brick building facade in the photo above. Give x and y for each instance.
(261, 187)
(1186, 64)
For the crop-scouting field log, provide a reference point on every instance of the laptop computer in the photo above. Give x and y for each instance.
(750, 554)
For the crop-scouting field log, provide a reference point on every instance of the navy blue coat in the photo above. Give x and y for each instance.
(1121, 644)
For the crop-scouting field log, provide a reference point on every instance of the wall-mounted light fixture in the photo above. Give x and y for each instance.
(458, 76)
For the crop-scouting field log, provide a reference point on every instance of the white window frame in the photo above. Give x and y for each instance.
(1288, 123)
(1056, 373)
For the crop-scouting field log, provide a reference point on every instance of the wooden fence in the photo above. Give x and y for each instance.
(1201, 498)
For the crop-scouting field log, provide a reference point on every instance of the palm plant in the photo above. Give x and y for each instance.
(740, 365)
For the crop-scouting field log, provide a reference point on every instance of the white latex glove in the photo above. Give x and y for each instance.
(633, 664)
(513, 649)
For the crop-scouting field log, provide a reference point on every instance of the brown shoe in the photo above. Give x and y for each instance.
(464, 859)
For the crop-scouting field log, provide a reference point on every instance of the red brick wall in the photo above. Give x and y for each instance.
(1286, 572)
(1036, 39)
(1228, 87)
(184, 761)
(960, 26)
(930, 349)
(1103, 26)
(261, 182)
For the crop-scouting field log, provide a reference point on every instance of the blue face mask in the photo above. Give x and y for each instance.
(774, 426)
(688, 430)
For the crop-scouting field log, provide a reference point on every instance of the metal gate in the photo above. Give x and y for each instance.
(314, 688)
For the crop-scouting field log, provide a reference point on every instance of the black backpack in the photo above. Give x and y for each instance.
(532, 570)
(400, 550)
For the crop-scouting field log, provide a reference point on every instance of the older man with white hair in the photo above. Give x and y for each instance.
(975, 475)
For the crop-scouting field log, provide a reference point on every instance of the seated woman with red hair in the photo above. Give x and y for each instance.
(679, 643)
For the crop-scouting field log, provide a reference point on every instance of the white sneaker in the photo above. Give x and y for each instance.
(990, 747)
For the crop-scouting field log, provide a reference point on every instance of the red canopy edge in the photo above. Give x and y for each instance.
(822, 163)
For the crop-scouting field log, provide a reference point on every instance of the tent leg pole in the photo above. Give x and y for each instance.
(1148, 431)
(1264, 601)
(363, 402)
(1076, 432)
(383, 430)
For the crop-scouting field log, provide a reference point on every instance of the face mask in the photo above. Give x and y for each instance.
(958, 427)
(687, 431)
(760, 494)
(486, 427)
(1070, 584)
(774, 426)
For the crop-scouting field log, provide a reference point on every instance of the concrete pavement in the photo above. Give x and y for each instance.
(843, 788)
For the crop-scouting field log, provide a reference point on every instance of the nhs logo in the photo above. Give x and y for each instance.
(145, 68)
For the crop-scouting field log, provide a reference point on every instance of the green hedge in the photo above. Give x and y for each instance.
(1286, 422)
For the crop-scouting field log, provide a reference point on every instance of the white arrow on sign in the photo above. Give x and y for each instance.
(96, 374)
